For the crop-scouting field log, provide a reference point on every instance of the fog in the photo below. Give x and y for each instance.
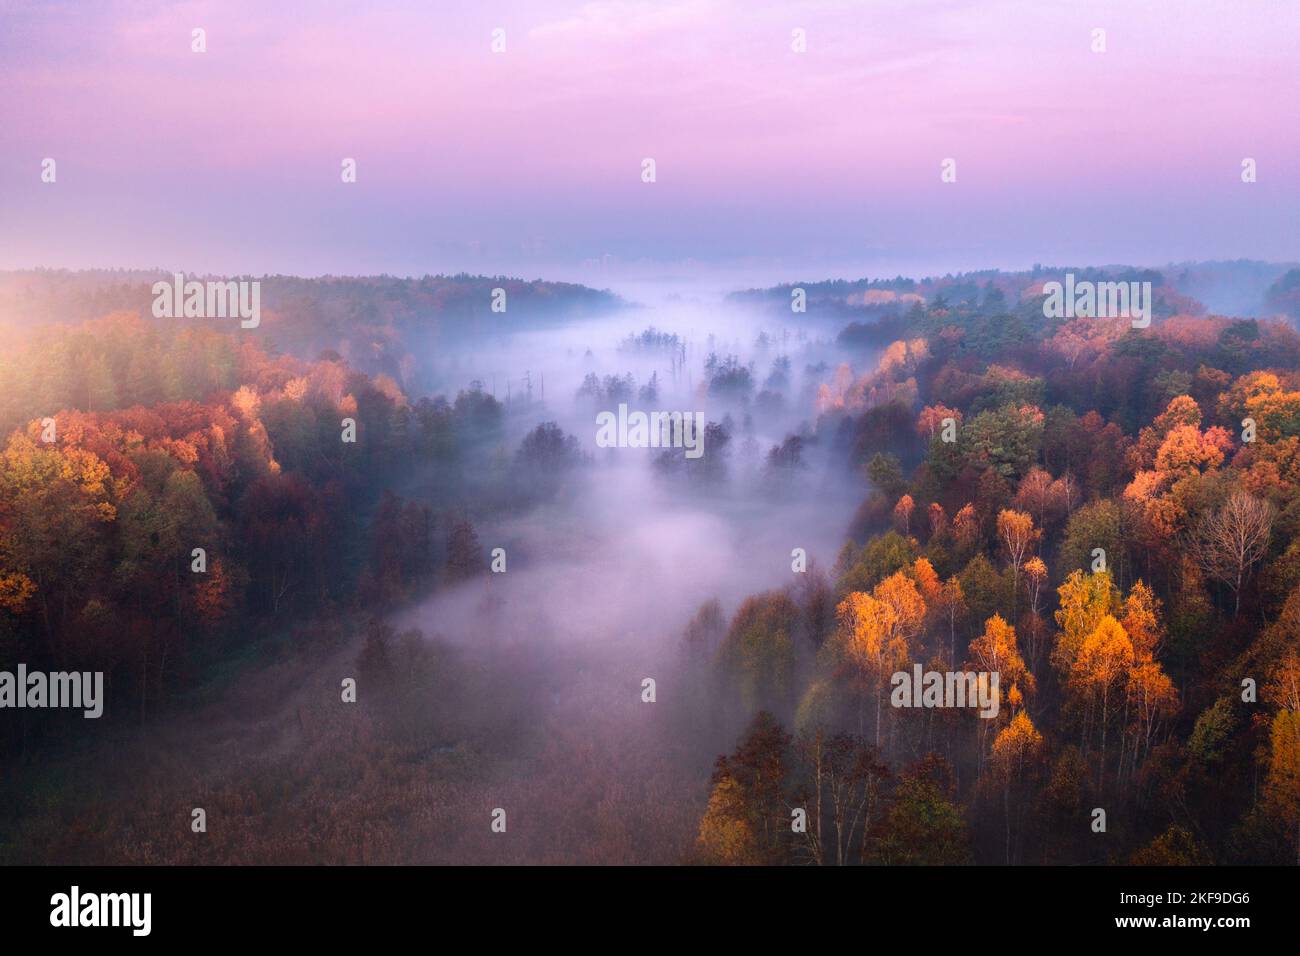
(601, 582)
(521, 690)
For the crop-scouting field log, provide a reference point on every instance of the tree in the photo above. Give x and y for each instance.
(952, 606)
(1098, 524)
(938, 519)
(1187, 451)
(873, 635)
(1230, 541)
(844, 780)
(900, 593)
(1007, 439)
(1141, 621)
(995, 652)
(885, 472)
(281, 517)
(1041, 496)
(747, 820)
(464, 553)
(965, 532)
(983, 589)
(903, 514)
(1282, 786)
(1017, 745)
(930, 422)
(1175, 847)
(1151, 697)
(881, 557)
(545, 457)
(923, 825)
(1017, 533)
(1283, 687)
(1084, 600)
(1035, 578)
(758, 652)
(1103, 662)
(705, 631)
(927, 581)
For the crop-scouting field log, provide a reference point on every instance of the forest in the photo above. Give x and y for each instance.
(391, 484)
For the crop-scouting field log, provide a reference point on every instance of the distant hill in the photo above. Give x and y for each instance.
(1244, 288)
(374, 322)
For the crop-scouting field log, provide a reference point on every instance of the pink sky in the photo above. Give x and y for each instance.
(529, 161)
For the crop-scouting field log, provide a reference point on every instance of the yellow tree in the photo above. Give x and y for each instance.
(1283, 686)
(1151, 698)
(1104, 659)
(1141, 621)
(899, 592)
(53, 500)
(1017, 533)
(874, 633)
(1035, 578)
(903, 514)
(995, 652)
(1085, 599)
(927, 581)
(725, 835)
(865, 637)
(1282, 787)
(1016, 746)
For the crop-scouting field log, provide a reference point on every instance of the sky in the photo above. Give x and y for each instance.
(770, 164)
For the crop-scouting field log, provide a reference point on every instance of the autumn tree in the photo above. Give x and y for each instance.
(1042, 497)
(1017, 533)
(747, 820)
(952, 607)
(1105, 657)
(1017, 746)
(1035, 578)
(1282, 689)
(903, 514)
(930, 422)
(1282, 786)
(874, 635)
(995, 652)
(1085, 599)
(1151, 698)
(1230, 541)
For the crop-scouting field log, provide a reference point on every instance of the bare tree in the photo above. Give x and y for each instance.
(1230, 541)
(845, 778)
